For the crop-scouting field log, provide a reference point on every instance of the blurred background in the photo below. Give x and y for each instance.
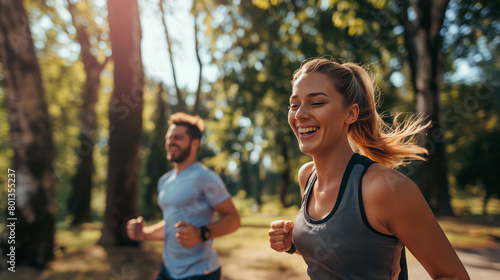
(87, 86)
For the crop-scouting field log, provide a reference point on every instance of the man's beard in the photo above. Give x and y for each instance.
(183, 154)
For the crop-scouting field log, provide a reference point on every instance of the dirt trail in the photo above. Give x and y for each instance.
(481, 264)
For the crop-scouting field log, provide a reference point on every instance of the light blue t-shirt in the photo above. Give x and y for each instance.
(189, 196)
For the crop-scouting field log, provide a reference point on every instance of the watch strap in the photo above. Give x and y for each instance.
(292, 249)
(205, 233)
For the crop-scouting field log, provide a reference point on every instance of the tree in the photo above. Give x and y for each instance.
(473, 114)
(31, 138)
(156, 163)
(125, 117)
(424, 46)
(181, 103)
(79, 202)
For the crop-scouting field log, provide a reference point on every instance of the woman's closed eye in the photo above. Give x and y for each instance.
(318, 103)
(315, 103)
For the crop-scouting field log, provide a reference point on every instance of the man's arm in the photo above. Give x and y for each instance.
(137, 231)
(229, 221)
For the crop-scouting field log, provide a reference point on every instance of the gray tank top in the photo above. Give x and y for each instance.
(343, 245)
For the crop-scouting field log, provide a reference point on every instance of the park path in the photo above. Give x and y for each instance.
(481, 264)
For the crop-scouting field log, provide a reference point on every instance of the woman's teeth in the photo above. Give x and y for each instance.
(308, 130)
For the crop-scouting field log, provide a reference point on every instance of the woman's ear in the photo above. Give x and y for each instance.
(352, 114)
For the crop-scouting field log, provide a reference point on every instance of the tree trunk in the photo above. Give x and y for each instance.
(424, 44)
(156, 164)
(31, 138)
(245, 178)
(259, 174)
(285, 177)
(79, 202)
(125, 119)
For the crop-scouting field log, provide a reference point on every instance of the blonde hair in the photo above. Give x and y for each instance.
(390, 145)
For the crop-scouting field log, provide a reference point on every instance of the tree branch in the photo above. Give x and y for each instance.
(81, 34)
(197, 50)
(438, 11)
(409, 38)
(181, 104)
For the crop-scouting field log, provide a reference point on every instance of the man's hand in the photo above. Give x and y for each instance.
(280, 235)
(187, 234)
(135, 229)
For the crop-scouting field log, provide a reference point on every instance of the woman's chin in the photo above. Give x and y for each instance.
(306, 149)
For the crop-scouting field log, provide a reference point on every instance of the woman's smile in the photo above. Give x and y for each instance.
(307, 132)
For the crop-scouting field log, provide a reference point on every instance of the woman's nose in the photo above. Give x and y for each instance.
(301, 113)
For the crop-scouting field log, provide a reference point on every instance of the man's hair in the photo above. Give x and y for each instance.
(194, 124)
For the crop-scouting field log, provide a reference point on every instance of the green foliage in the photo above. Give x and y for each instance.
(262, 215)
(472, 116)
(471, 30)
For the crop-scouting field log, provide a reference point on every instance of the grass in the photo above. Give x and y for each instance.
(472, 231)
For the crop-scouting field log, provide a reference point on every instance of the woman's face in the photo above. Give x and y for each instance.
(317, 114)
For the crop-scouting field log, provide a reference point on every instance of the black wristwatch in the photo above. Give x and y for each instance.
(205, 233)
(291, 250)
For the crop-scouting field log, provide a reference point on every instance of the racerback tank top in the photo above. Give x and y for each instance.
(343, 245)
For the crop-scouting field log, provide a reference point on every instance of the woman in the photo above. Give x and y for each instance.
(357, 213)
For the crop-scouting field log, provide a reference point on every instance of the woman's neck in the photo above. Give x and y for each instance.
(330, 166)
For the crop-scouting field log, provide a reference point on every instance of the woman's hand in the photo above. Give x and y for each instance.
(280, 235)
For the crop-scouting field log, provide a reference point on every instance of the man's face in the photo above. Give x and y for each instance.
(177, 143)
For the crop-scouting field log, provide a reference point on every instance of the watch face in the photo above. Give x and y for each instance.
(205, 233)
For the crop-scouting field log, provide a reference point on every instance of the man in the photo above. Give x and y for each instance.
(189, 196)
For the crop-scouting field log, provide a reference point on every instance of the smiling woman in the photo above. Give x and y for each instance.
(388, 145)
(357, 213)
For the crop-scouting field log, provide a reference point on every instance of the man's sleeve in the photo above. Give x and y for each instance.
(214, 189)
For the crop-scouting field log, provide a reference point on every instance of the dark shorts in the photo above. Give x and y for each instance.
(212, 276)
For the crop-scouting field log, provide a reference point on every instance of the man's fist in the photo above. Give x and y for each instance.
(280, 235)
(187, 234)
(135, 229)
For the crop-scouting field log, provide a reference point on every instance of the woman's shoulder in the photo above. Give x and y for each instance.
(383, 183)
(389, 198)
(304, 173)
